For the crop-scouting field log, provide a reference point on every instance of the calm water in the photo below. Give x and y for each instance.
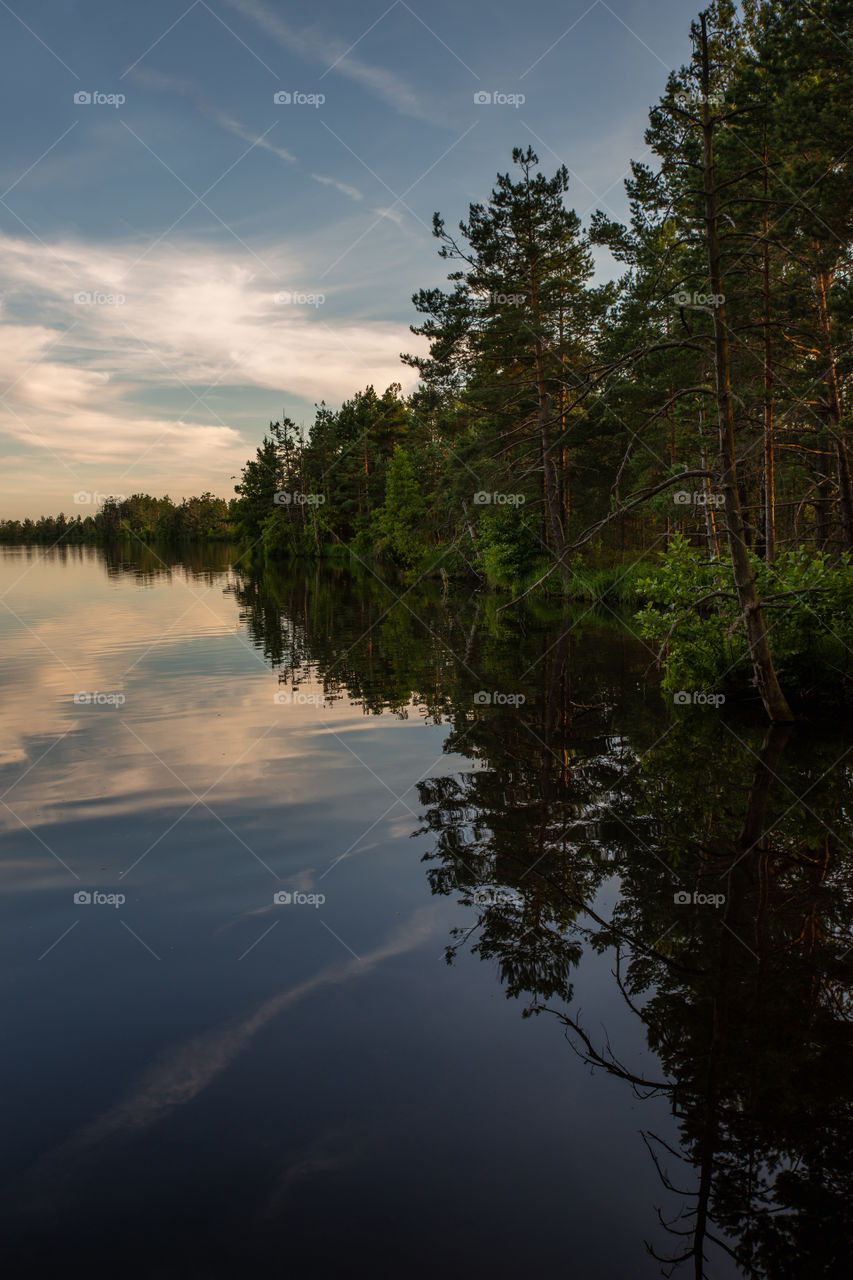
(483, 1035)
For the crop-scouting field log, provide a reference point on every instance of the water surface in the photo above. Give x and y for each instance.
(381, 960)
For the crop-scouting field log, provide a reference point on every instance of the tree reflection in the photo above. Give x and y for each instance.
(745, 1001)
(584, 787)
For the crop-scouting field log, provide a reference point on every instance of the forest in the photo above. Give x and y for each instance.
(675, 439)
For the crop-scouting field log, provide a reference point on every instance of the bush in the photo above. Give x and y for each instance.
(808, 603)
(508, 546)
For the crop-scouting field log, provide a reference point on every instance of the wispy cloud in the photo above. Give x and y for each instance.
(328, 52)
(158, 81)
(393, 214)
(352, 192)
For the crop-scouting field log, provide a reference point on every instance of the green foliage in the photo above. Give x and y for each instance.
(588, 404)
(399, 521)
(508, 544)
(690, 603)
(139, 517)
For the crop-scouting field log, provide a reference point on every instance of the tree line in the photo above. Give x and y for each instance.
(701, 400)
(139, 516)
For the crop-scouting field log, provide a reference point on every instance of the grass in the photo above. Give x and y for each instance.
(616, 583)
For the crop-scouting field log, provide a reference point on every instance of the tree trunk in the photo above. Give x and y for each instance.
(821, 511)
(710, 520)
(472, 532)
(769, 468)
(833, 413)
(775, 703)
(550, 489)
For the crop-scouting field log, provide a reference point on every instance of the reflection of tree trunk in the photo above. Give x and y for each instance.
(752, 828)
(472, 635)
(740, 886)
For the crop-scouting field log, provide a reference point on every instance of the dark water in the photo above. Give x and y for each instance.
(483, 1037)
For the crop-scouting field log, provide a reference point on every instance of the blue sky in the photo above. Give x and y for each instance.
(184, 257)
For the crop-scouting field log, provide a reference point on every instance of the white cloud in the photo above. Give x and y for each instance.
(394, 214)
(77, 378)
(352, 192)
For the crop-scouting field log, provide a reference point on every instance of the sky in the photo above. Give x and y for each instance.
(213, 212)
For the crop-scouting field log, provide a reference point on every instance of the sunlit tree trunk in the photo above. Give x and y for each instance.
(764, 671)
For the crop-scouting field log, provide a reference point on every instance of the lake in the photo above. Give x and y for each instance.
(352, 925)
